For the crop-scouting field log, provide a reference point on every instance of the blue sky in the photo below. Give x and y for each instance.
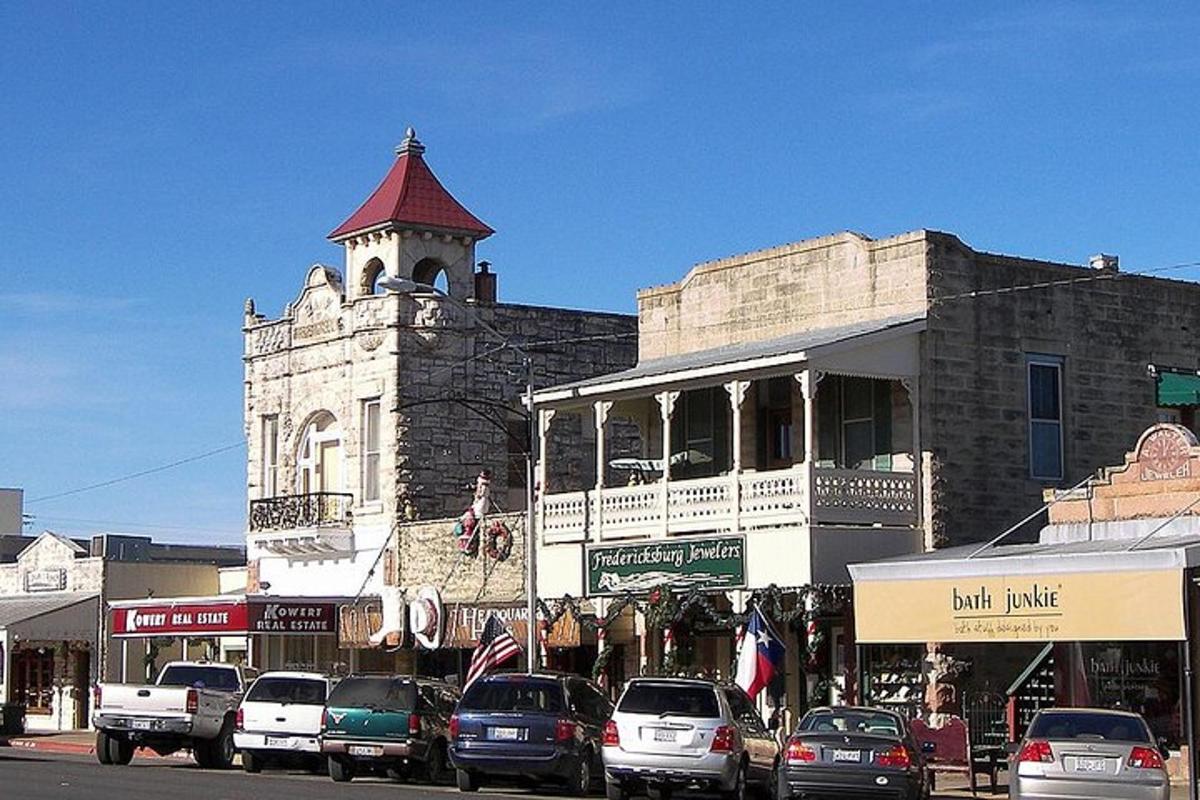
(161, 162)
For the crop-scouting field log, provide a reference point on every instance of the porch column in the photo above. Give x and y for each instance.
(124, 661)
(666, 407)
(600, 408)
(544, 416)
(737, 396)
(808, 390)
(913, 387)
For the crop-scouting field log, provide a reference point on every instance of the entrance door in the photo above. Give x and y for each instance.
(33, 679)
(83, 697)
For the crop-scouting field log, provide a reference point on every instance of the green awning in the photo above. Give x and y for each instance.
(1178, 389)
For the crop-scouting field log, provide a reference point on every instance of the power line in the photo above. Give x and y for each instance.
(239, 528)
(141, 474)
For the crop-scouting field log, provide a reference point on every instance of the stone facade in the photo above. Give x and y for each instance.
(1104, 327)
(428, 553)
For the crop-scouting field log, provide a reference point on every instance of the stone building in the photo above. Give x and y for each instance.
(367, 408)
(839, 400)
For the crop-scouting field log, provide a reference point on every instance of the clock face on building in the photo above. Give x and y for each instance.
(1164, 455)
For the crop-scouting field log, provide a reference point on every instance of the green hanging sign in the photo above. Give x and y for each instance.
(683, 563)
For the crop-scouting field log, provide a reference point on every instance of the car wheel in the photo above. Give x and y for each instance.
(203, 753)
(222, 750)
(120, 751)
(340, 770)
(580, 779)
(738, 792)
(102, 753)
(615, 790)
(251, 762)
(467, 781)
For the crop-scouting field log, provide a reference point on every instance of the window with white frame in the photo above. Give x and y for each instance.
(370, 439)
(270, 455)
(1045, 417)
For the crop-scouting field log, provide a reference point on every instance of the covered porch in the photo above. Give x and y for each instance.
(813, 429)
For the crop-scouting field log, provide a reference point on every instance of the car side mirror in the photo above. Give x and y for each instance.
(928, 747)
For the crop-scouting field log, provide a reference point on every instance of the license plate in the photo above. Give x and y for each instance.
(1091, 765)
(664, 735)
(847, 755)
(364, 750)
(506, 734)
(278, 741)
(140, 724)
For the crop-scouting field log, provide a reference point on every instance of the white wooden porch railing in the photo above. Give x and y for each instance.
(730, 502)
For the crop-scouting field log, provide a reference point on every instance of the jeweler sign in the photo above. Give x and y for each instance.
(681, 564)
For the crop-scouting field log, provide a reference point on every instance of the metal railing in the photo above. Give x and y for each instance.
(296, 511)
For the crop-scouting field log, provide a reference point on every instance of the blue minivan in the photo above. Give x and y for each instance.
(542, 727)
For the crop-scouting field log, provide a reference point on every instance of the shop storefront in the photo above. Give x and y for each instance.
(1099, 612)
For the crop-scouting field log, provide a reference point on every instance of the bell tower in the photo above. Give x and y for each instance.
(411, 227)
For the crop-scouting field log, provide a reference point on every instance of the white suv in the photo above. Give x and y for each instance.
(280, 720)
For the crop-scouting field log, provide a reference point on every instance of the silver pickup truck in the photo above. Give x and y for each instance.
(192, 706)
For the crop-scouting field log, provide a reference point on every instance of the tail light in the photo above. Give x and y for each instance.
(564, 730)
(896, 757)
(324, 717)
(454, 724)
(193, 701)
(799, 753)
(725, 740)
(1146, 758)
(414, 724)
(612, 736)
(239, 720)
(1037, 752)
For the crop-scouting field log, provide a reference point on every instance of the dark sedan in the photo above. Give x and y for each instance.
(529, 727)
(852, 752)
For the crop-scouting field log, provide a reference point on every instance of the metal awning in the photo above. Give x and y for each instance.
(1178, 389)
(1077, 591)
(50, 617)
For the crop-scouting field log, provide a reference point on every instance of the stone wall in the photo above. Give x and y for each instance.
(426, 553)
(818, 283)
(1106, 329)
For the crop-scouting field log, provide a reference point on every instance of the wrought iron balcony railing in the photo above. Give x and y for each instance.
(296, 511)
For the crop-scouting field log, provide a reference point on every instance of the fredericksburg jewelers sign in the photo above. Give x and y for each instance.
(718, 563)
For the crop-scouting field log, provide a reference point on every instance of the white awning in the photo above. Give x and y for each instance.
(54, 616)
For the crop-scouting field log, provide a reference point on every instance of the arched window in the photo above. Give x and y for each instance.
(319, 458)
(369, 280)
(432, 272)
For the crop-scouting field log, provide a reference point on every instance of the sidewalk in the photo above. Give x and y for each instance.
(76, 743)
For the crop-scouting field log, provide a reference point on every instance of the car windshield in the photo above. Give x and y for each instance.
(851, 721)
(224, 679)
(669, 699)
(514, 695)
(393, 694)
(300, 691)
(1088, 725)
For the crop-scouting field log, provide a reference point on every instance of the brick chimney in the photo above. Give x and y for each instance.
(485, 284)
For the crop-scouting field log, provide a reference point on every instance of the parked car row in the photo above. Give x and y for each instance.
(662, 735)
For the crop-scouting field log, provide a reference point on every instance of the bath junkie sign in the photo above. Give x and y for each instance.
(711, 563)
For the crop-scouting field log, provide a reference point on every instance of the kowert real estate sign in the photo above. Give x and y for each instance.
(683, 563)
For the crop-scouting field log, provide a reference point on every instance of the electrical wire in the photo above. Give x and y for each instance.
(140, 474)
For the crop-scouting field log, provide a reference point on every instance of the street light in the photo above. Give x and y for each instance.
(393, 283)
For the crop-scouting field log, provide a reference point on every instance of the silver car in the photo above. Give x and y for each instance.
(671, 733)
(1085, 753)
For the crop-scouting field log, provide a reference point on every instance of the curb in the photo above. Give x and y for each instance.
(78, 748)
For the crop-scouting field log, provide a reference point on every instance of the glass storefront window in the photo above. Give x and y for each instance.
(1134, 676)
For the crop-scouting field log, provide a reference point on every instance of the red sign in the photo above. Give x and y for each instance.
(181, 619)
(293, 617)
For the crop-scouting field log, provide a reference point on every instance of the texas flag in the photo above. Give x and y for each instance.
(761, 655)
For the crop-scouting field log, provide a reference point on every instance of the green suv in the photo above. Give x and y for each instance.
(392, 723)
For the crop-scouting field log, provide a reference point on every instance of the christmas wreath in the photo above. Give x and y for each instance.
(498, 541)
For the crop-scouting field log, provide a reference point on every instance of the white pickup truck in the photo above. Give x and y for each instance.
(192, 706)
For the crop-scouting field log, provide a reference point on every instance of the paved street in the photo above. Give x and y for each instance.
(32, 775)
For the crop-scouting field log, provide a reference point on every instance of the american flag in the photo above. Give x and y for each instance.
(496, 645)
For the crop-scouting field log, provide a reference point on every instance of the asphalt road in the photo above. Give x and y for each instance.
(32, 775)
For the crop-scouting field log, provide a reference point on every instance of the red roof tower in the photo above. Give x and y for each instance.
(411, 195)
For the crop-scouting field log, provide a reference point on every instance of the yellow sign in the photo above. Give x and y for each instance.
(1066, 607)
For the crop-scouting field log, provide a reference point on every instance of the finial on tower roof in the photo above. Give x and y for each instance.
(411, 144)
